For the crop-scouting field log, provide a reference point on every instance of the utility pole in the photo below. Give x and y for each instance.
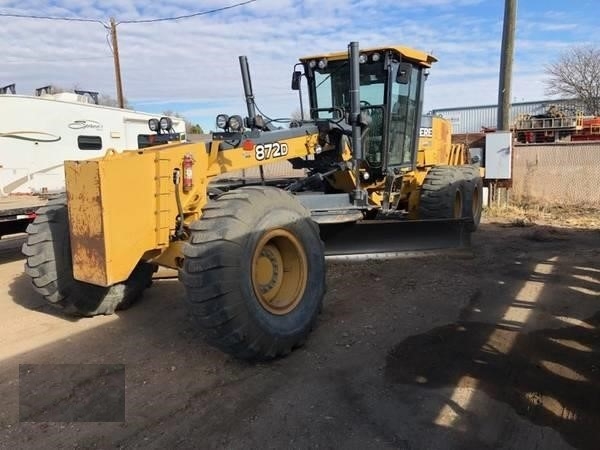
(506, 62)
(115, 49)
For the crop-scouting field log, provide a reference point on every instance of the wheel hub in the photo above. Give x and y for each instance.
(279, 271)
(269, 271)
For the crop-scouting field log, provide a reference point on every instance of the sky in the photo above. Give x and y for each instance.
(191, 65)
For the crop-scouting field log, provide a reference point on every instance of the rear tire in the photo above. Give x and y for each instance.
(254, 273)
(49, 264)
(442, 194)
(473, 204)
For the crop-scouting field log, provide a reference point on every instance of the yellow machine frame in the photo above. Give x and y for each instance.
(122, 206)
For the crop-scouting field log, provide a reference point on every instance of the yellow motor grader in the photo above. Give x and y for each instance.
(379, 181)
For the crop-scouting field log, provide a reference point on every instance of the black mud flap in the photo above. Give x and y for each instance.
(385, 239)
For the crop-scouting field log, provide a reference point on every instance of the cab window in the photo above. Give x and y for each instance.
(404, 109)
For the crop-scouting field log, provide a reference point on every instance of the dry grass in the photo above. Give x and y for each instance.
(525, 215)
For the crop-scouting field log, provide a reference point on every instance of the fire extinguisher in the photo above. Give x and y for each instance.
(188, 181)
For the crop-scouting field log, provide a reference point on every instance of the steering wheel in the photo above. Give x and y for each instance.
(366, 104)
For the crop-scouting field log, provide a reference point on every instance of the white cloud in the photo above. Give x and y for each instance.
(194, 62)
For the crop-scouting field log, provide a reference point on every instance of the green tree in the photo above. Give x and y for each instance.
(196, 129)
(189, 127)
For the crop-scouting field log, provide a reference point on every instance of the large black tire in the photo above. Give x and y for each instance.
(49, 264)
(254, 273)
(473, 204)
(442, 194)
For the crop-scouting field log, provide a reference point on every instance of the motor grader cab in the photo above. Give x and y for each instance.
(390, 104)
(392, 149)
(252, 256)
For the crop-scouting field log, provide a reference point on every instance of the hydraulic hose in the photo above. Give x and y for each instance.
(180, 233)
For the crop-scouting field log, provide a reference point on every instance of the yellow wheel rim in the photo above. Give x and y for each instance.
(458, 205)
(279, 271)
(476, 204)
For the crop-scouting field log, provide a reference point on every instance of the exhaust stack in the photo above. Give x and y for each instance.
(248, 91)
(360, 196)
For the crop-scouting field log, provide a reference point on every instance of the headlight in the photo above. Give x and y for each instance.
(222, 121)
(153, 125)
(375, 57)
(312, 64)
(362, 58)
(166, 123)
(322, 64)
(235, 123)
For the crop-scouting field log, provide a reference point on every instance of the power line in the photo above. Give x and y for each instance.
(187, 16)
(108, 33)
(112, 31)
(25, 60)
(134, 21)
(68, 19)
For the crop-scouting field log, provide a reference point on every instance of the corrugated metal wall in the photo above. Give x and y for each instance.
(472, 119)
(557, 173)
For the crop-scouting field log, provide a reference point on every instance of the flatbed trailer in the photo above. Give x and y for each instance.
(17, 211)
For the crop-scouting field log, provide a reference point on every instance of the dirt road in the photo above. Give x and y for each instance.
(499, 349)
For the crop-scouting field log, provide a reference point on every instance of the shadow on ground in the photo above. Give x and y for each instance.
(10, 249)
(22, 293)
(547, 369)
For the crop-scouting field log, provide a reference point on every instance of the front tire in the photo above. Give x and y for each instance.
(49, 264)
(254, 273)
(442, 194)
(473, 204)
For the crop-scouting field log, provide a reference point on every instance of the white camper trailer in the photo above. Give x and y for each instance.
(38, 133)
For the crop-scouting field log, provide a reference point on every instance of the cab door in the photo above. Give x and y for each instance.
(405, 110)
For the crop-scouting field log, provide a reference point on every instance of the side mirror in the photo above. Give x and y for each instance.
(404, 71)
(296, 77)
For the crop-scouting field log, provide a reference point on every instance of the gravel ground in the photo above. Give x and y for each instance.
(497, 349)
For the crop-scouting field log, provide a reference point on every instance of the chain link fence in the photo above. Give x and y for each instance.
(557, 174)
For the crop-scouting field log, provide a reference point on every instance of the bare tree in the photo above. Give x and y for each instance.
(576, 74)
(107, 100)
(103, 99)
(297, 115)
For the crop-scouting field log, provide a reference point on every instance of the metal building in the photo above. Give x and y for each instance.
(472, 119)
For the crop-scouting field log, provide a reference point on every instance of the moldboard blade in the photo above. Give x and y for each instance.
(382, 239)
